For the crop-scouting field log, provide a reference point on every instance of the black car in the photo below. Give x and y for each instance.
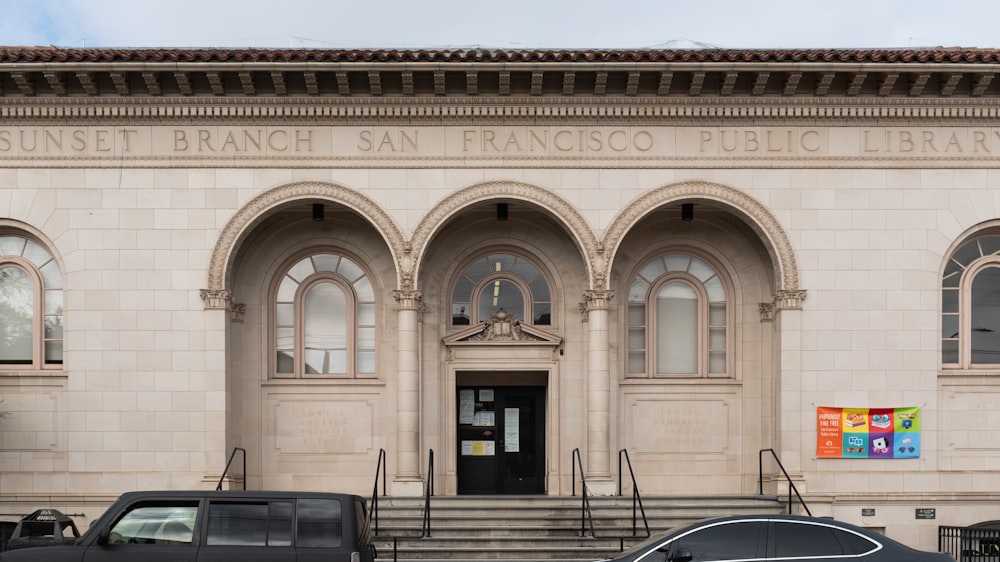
(223, 526)
(787, 538)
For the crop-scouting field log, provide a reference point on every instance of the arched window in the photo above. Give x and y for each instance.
(501, 281)
(970, 305)
(324, 319)
(31, 306)
(678, 319)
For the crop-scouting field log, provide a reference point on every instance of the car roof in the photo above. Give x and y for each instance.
(235, 494)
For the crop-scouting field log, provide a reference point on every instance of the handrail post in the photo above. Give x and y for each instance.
(379, 469)
(636, 497)
(586, 516)
(791, 484)
(425, 530)
(230, 462)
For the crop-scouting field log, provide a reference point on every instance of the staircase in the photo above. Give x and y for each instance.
(538, 528)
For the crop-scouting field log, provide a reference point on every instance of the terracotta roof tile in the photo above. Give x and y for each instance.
(28, 54)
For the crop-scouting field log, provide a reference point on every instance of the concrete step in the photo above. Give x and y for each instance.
(536, 528)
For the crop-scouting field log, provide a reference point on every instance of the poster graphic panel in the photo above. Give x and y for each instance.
(867, 433)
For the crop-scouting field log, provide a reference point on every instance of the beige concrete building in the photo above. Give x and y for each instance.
(503, 257)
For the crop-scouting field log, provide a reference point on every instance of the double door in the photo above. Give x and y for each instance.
(501, 440)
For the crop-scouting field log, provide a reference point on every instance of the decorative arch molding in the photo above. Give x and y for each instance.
(756, 215)
(583, 236)
(217, 295)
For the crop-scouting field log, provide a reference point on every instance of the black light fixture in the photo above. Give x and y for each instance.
(501, 211)
(318, 212)
(687, 211)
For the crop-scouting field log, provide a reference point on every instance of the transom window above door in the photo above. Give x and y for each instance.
(678, 319)
(324, 319)
(501, 281)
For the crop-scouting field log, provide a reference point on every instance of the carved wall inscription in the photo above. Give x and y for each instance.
(480, 142)
(314, 427)
(679, 426)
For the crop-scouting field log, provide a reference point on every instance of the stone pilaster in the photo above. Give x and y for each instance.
(598, 457)
(408, 392)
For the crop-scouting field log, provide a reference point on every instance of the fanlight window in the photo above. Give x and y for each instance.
(501, 282)
(324, 319)
(31, 306)
(677, 319)
(970, 305)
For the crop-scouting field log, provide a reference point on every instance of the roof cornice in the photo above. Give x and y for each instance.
(107, 77)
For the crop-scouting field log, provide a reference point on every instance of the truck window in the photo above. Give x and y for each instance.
(156, 524)
(250, 523)
(320, 523)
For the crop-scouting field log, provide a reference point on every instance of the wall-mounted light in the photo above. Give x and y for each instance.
(502, 211)
(318, 212)
(687, 211)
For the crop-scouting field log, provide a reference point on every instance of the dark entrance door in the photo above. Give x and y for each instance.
(501, 439)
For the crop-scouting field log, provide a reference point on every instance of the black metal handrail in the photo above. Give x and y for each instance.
(791, 485)
(425, 529)
(586, 516)
(636, 498)
(379, 470)
(230, 462)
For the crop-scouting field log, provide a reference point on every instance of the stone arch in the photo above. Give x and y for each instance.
(756, 215)
(246, 216)
(583, 236)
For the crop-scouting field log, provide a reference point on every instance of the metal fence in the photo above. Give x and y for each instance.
(969, 544)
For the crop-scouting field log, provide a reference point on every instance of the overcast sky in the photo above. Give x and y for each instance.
(510, 24)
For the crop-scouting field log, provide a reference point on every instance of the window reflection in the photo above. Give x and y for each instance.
(501, 281)
(31, 304)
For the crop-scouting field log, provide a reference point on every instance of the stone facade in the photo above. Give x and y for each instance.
(176, 191)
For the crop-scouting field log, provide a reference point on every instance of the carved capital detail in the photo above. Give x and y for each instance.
(215, 299)
(789, 300)
(596, 300)
(408, 299)
(237, 311)
(766, 312)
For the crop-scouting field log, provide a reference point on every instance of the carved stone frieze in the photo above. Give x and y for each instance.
(502, 326)
(244, 218)
(755, 214)
(560, 209)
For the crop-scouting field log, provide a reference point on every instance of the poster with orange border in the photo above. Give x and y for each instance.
(867, 433)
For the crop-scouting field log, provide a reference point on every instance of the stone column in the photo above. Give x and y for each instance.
(408, 395)
(598, 465)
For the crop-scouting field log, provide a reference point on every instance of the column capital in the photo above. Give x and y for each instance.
(408, 299)
(789, 299)
(216, 298)
(596, 300)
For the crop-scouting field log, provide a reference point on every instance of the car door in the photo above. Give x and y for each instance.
(740, 539)
(815, 541)
(153, 531)
(248, 530)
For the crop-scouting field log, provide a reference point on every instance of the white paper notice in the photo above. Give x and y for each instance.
(511, 430)
(466, 405)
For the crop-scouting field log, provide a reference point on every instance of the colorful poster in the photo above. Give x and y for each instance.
(867, 433)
